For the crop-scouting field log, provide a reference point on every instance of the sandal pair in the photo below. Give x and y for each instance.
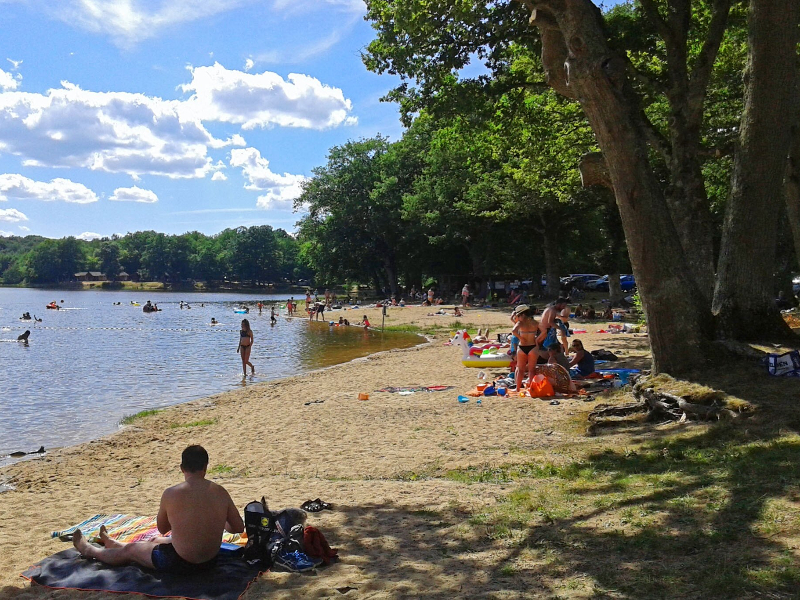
(315, 505)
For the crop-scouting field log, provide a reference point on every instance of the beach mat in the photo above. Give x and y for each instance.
(228, 580)
(127, 528)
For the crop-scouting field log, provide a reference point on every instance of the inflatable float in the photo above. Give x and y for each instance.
(490, 355)
(240, 311)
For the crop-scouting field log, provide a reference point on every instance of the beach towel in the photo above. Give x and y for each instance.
(416, 388)
(128, 528)
(228, 580)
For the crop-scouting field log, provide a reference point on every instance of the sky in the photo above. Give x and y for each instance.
(176, 115)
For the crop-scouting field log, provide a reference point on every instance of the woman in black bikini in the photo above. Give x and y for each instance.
(526, 329)
(245, 346)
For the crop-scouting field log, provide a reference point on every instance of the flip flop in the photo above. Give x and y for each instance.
(315, 505)
(554, 403)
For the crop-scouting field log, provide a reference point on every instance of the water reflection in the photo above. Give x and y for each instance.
(93, 362)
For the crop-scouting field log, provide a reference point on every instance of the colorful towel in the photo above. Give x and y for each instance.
(417, 388)
(128, 528)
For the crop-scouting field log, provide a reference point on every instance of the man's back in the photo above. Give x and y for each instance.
(197, 511)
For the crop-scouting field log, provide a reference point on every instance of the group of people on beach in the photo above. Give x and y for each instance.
(545, 341)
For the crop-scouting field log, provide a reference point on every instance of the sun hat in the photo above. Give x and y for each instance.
(520, 309)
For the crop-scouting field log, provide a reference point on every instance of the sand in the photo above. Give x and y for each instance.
(400, 531)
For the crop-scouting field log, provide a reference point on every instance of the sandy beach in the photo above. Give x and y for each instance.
(401, 530)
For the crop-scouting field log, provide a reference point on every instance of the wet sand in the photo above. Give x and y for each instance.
(400, 531)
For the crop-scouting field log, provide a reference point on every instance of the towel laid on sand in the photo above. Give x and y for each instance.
(228, 580)
(416, 388)
(128, 528)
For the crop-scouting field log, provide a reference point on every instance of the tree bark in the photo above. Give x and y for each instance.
(792, 182)
(614, 288)
(744, 295)
(677, 321)
(551, 262)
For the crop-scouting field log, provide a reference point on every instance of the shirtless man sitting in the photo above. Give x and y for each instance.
(547, 324)
(196, 511)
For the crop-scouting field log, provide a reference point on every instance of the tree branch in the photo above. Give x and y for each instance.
(651, 11)
(698, 80)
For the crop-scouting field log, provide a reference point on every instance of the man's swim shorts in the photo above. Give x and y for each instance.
(167, 560)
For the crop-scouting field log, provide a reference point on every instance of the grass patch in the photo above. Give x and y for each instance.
(708, 515)
(129, 419)
(201, 423)
(220, 470)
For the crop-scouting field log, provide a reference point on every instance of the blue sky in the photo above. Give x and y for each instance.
(175, 115)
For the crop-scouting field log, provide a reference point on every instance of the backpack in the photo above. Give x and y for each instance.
(259, 524)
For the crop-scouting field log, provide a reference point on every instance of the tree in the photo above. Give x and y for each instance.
(109, 260)
(351, 231)
(663, 211)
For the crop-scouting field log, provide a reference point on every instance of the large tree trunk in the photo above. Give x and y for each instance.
(551, 262)
(686, 195)
(744, 295)
(677, 322)
(792, 183)
(614, 288)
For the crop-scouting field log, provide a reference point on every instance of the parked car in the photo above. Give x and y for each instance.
(627, 283)
(577, 280)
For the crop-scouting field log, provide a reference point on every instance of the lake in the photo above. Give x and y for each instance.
(93, 362)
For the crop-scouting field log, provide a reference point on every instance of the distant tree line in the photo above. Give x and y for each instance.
(255, 255)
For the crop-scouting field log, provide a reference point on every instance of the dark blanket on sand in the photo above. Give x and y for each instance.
(228, 580)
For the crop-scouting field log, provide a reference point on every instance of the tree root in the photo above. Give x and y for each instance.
(655, 407)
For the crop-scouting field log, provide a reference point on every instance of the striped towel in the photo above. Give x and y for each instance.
(128, 528)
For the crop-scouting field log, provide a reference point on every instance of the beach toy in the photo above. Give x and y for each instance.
(363, 396)
(478, 402)
(463, 399)
(482, 386)
(470, 358)
(578, 331)
(501, 388)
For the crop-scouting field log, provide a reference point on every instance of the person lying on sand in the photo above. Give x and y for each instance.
(196, 511)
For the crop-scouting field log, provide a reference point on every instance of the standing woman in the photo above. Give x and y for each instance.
(245, 346)
(526, 329)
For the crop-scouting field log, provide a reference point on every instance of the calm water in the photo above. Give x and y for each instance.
(89, 365)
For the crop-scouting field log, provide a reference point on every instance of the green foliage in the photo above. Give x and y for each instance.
(254, 255)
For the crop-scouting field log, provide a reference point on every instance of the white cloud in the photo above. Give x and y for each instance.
(14, 63)
(9, 81)
(5, 233)
(117, 132)
(88, 236)
(249, 64)
(133, 194)
(127, 22)
(264, 99)
(12, 215)
(218, 176)
(23, 228)
(281, 189)
(18, 187)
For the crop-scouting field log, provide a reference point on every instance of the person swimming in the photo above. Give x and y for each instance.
(214, 321)
(24, 337)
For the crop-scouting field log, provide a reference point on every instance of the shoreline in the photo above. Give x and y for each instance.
(374, 460)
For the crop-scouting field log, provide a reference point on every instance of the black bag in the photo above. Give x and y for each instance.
(603, 354)
(287, 533)
(259, 523)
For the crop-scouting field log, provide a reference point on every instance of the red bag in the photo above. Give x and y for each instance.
(540, 387)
